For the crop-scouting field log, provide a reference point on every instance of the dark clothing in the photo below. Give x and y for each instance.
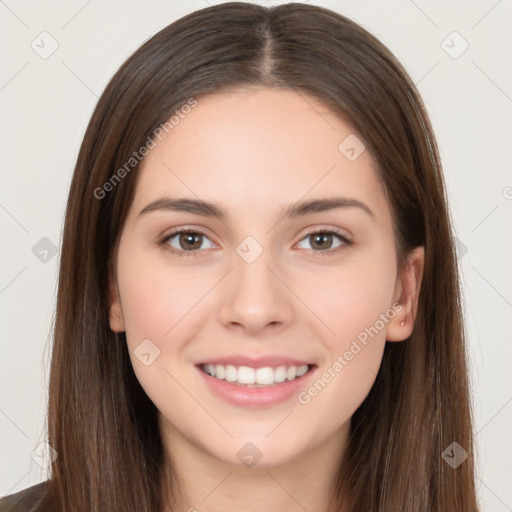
(27, 500)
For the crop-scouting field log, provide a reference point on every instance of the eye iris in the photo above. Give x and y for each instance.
(190, 238)
(321, 240)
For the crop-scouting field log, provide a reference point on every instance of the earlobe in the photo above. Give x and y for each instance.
(407, 291)
(115, 309)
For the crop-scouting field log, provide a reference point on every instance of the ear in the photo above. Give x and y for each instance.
(115, 309)
(406, 293)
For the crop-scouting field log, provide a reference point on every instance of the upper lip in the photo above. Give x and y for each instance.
(255, 362)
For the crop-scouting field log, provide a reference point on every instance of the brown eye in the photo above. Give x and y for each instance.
(184, 242)
(190, 241)
(324, 241)
(321, 241)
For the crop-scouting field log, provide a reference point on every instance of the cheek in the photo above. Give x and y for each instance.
(354, 297)
(158, 303)
(356, 306)
(156, 297)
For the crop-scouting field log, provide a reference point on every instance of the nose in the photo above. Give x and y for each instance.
(255, 297)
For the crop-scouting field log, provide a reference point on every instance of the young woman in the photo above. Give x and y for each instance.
(258, 304)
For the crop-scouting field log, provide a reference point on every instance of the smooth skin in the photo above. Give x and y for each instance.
(254, 153)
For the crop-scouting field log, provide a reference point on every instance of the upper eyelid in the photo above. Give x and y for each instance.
(180, 231)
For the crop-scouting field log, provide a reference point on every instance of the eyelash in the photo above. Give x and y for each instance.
(328, 252)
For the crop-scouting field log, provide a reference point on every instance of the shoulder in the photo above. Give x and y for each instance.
(26, 500)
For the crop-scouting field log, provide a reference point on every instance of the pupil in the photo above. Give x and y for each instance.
(190, 238)
(324, 237)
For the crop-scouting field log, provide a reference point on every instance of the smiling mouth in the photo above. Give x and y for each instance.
(245, 376)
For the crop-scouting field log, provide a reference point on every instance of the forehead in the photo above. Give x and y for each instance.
(259, 148)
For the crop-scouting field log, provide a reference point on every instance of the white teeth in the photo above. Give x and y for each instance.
(291, 373)
(301, 370)
(280, 374)
(220, 372)
(260, 377)
(231, 373)
(246, 375)
(265, 376)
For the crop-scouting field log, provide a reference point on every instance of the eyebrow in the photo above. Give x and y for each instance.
(206, 209)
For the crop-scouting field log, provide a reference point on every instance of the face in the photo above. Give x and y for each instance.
(285, 298)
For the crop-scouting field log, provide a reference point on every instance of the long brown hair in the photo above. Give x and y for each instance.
(101, 423)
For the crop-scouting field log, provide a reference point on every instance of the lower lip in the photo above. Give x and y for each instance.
(265, 396)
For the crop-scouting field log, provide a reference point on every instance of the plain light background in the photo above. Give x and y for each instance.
(46, 103)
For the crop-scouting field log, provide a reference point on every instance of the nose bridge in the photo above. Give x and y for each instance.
(255, 297)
